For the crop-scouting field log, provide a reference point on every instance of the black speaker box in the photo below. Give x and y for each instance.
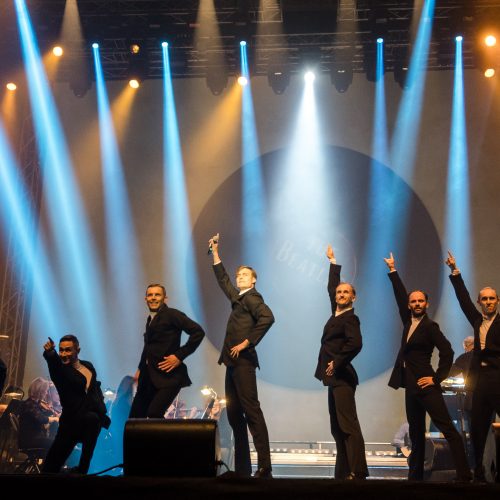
(171, 448)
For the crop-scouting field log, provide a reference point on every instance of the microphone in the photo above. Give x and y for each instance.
(209, 251)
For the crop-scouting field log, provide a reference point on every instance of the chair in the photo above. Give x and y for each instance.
(26, 460)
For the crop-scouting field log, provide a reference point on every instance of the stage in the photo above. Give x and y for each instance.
(42, 487)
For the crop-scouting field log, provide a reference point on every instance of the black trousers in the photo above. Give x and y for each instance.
(85, 429)
(243, 409)
(346, 431)
(152, 402)
(485, 403)
(431, 401)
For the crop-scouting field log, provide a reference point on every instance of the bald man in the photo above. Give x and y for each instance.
(484, 371)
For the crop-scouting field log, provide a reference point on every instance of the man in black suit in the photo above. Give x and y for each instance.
(248, 322)
(83, 410)
(340, 344)
(162, 373)
(484, 371)
(413, 371)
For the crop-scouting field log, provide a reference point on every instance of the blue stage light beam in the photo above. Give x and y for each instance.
(380, 148)
(458, 223)
(78, 265)
(122, 248)
(20, 219)
(406, 134)
(405, 139)
(253, 200)
(179, 253)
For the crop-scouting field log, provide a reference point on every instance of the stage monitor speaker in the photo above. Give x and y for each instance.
(171, 448)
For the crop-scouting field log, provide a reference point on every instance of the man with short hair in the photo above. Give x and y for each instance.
(413, 371)
(340, 343)
(83, 410)
(248, 322)
(162, 373)
(484, 371)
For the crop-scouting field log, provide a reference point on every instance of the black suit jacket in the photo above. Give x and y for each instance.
(250, 319)
(70, 384)
(416, 354)
(341, 341)
(490, 355)
(162, 338)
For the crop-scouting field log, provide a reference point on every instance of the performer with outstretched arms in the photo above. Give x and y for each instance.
(83, 410)
(340, 344)
(248, 322)
(484, 370)
(413, 371)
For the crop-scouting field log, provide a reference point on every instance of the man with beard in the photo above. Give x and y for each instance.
(413, 371)
(484, 370)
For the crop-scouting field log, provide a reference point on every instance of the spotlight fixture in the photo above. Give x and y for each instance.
(11, 86)
(309, 76)
(135, 48)
(164, 44)
(380, 40)
(401, 74)
(278, 78)
(341, 75)
(95, 45)
(459, 38)
(80, 79)
(243, 43)
(490, 41)
(242, 81)
(216, 79)
(489, 72)
(137, 68)
(57, 51)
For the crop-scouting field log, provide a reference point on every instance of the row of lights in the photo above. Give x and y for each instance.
(278, 79)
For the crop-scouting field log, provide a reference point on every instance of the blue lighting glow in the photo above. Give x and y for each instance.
(31, 262)
(380, 40)
(78, 267)
(164, 44)
(122, 249)
(309, 77)
(405, 139)
(406, 134)
(459, 38)
(95, 45)
(179, 252)
(243, 43)
(458, 224)
(253, 202)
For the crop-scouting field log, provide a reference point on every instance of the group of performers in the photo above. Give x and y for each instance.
(162, 372)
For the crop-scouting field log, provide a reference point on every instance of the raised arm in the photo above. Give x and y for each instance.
(223, 279)
(53, 361)
(399, 289)
(333, 277)
(466, 304)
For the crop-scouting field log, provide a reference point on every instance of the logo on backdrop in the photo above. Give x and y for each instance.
(281, 226)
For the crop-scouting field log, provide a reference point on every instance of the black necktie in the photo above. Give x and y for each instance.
(148, 321)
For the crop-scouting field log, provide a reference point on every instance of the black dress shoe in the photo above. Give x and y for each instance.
(264, 473)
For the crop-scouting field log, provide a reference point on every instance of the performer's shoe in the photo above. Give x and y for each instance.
(353, 477)
(463, 479)
(263, 473)
(479, 477)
